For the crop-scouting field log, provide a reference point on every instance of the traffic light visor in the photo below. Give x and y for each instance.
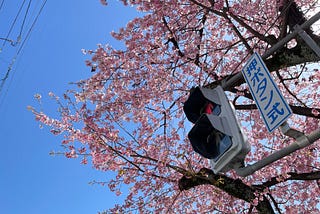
(201, 100)
(207, 140)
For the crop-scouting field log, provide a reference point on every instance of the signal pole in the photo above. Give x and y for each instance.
(302, 140)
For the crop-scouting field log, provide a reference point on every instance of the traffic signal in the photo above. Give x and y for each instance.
(216, 134)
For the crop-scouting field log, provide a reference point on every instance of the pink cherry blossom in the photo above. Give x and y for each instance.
(128, 116)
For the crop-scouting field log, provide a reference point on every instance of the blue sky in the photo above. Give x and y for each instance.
(32, 181)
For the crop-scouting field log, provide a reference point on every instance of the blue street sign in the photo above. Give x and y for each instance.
(272, 106)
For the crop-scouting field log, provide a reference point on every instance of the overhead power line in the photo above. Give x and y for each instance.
(1, 4)
(12, 25)
(10, 67)
(23, 22)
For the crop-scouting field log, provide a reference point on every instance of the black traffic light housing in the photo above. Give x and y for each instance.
(216, 134)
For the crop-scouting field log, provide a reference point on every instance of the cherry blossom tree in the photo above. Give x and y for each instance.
(128, 117)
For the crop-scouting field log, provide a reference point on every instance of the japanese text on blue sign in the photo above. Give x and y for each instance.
(272, 106)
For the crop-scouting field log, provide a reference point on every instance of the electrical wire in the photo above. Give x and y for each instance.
(23, 22)
(14, 43)
(1, 5)
(10, 67)
(12, 25)
(31, 28)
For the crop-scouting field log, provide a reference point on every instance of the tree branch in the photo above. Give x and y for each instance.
(172, 39)
(203, 21)
(309, 176)
(240, 36)
(305, 111)
(288, 90)
(269, 39)
(234, 187)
